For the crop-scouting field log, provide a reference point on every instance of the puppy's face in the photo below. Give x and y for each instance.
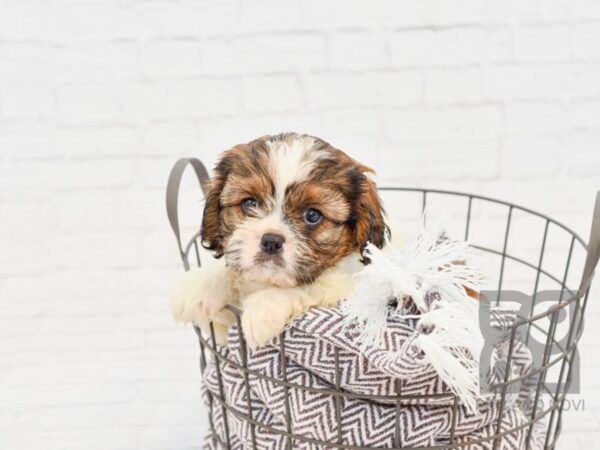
(282, 209)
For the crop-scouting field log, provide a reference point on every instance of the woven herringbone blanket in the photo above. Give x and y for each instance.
(311, 343)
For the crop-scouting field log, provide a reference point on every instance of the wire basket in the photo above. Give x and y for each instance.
(557, 371)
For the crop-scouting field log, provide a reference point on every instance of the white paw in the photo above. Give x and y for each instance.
(264, 317)
(198, 297)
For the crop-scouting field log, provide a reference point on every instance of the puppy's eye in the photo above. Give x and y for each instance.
(249, 204)
(313, 216)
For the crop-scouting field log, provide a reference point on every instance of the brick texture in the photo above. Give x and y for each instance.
(98, 99)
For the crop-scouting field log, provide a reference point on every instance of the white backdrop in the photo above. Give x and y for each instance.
(99, 98)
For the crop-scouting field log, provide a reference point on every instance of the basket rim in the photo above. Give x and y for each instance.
(488, 199)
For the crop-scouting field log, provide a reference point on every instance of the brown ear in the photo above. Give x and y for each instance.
(370, 226)
(211, 220)
(210, 233)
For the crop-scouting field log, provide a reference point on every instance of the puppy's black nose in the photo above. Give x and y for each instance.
(272, 243)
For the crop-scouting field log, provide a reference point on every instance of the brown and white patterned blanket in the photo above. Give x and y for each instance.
(310, 345)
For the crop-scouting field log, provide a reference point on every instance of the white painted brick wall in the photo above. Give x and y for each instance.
(99, 98)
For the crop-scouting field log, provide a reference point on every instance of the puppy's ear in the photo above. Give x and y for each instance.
(369, 212)
(211, 220)
(210, 233)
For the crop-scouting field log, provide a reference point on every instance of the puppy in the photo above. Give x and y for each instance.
(286, 218)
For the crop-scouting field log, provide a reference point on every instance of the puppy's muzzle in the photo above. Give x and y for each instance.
(272, 243)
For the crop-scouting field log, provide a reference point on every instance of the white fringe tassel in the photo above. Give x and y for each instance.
(448, 327)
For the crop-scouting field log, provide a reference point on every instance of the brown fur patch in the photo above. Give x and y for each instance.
(350, 177)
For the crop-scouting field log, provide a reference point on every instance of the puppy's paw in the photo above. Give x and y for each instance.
(265, 315)
(199, 297)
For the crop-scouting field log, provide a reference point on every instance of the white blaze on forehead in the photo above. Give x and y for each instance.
(291, 162)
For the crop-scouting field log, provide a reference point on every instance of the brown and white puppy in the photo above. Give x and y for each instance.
(286, 216)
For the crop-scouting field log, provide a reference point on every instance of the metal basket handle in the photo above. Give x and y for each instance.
(172, 198)
(593, 249)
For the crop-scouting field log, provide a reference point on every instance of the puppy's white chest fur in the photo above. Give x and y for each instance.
(201, 296)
